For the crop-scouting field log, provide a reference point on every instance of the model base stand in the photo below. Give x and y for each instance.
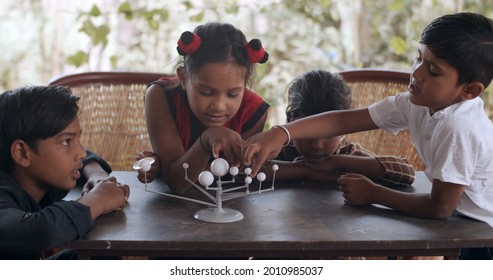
(216, 213)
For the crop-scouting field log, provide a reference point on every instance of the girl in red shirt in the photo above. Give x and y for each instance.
(205, 110)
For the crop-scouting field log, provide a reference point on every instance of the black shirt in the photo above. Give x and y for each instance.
(27, 229)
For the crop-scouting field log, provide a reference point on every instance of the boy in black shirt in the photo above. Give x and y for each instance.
(41, 159)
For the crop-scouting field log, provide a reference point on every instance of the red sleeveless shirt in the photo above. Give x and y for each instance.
(252, 108)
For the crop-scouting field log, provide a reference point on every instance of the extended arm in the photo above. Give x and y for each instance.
(389, 169)
(267, 145)
(292, 171)
(439, 204)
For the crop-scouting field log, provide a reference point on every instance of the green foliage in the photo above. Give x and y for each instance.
(95, 12)
(126, 10)
(153, 17)
(398, 45)
(78, 59)
(141, 35)
(97, 34)
(197, 17)
(397, 5)
(114, 61)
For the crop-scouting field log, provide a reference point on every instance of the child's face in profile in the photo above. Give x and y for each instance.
(433, 81)
(215, 92)
(57, 159)
(315, 150)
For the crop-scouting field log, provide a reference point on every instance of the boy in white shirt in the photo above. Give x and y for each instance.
(442, 111)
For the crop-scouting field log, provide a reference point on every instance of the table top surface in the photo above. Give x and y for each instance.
(300, 215)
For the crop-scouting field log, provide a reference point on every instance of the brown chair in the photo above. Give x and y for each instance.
(369, 86)
(112, 113)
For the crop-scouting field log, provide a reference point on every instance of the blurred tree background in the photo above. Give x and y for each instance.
(42, 39)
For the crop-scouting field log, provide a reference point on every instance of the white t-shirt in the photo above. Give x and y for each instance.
(455, 143)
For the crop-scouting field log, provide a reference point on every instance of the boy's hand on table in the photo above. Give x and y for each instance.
(357, 189)
(108, 195)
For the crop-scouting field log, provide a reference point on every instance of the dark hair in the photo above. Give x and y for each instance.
(33, 113)
(465, 41)
(316, 92)
(221, 42)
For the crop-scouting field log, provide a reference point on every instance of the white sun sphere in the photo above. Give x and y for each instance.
(261, 176)
(275, 167)
(219, 167)
(185, 165)
(206, 178)
(234, 171)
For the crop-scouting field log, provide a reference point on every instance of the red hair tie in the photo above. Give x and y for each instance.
(256, 52)
(188, 43)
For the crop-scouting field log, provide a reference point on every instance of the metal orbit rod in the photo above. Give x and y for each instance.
(219, 167)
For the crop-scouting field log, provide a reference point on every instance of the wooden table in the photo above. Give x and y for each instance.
(297, 220)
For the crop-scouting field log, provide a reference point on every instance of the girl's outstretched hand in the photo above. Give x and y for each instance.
(222, 142)
(261, 147)
(155, 167)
